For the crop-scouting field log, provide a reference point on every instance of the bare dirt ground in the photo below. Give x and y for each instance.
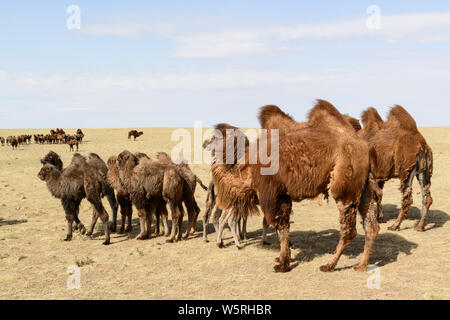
(34, 259)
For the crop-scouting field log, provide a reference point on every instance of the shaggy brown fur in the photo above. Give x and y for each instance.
(135, 134)
(353, 121)
(400, 152)
(320, 156)
(124, 198)
(191, 179)
(149, 182)
(81, 179)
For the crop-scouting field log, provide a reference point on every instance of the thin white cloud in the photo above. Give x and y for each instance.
(415, 27)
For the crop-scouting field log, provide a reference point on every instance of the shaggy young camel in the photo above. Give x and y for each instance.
(400, 152)
(191, 179)
(321, 156)
(124, 198)
(148, 182)
(81, 179)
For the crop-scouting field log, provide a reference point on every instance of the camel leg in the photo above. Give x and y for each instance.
(264, 235)
(233, 222)
(176, 214)
(284, 209)
(114, 206)
(427, 200)
(371, 228)
(123, 211)
(142, 223)
(150, 212)
(78, 224)
(243, 235)
(93, 222)
(129, 214)
(379, 198)
(406, 202)
(165, 219)
(216, 220)
(180, 223)
(222, 221)
(347, 220)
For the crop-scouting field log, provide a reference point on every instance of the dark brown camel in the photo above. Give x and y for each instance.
(135, 134)
(149, 182)
(81, 179)
(321, 156)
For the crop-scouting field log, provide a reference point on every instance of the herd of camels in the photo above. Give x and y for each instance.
(329, 154)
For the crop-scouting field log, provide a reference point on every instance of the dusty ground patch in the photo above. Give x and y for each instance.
(34, 259)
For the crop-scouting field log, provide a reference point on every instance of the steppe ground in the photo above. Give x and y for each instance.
(34, 259)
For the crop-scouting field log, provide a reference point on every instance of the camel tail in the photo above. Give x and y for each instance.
(402, 118)
(272, 117)
(201, 183)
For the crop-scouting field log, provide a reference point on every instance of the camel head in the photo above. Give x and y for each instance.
(54, 159)
(47, 171)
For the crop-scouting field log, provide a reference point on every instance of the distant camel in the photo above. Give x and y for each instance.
(135, 134)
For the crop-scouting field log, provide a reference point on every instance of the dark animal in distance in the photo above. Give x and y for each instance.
(135, 134)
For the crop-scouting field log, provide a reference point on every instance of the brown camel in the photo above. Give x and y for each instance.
(191, 179)
(124, 198)
(149, 182)
(135, 134)
(81, 179)
(321, 156)
(400, 152)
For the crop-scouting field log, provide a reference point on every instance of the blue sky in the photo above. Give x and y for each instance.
(154, 63)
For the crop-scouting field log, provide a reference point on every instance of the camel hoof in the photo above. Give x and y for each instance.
(265, 243)
(106, 242)
(326, 268)
(219, 244)
(141, 237)
(239, 247)
(206, 240)
(360, 268)
(121, 231)
(419, 229)
(89, 233)
(282, 268)
(82, 230)
(169, 240)
(394, 228)
(68, 238)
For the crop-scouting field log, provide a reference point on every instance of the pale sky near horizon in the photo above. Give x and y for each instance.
(171, 63)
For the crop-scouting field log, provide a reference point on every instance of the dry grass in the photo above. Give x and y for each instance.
(34, 259)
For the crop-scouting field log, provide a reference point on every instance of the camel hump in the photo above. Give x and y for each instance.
(371, 117)
(353, 121)
(400, 116)
(94, 156)
(324, 113)
(79, 160)
(267, 113)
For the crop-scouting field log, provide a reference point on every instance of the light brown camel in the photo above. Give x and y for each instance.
(400, 152)
(321, 156)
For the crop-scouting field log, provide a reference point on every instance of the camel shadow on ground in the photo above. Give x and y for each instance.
(4, 222)
(435, 218)
(314, 244)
